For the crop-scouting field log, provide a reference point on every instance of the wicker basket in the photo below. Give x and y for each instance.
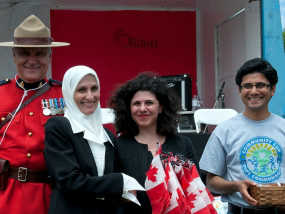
(269, 194)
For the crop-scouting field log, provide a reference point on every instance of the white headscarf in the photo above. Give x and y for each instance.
(91, 124)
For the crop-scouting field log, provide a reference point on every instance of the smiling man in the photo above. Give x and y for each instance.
(248, 149)
(28, 101)
(32, 63)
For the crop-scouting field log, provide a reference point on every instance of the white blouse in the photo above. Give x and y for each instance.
(98, 151)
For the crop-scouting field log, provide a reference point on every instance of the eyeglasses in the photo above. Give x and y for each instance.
(258, 85)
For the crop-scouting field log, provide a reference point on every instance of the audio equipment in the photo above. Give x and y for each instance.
(182, 86)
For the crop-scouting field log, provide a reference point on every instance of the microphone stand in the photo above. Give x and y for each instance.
(222, 100)
(219, 102)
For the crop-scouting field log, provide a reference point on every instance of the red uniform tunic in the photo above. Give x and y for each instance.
(23, 146)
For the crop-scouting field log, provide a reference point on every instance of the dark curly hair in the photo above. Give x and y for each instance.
(147, 81)
(257, 65)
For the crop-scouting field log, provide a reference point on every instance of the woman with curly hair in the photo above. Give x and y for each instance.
(146, 117)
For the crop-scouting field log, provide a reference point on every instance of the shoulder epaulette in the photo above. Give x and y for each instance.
(5, 81)
(54, 82)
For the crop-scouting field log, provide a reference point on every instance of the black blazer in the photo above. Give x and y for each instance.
(78, 188)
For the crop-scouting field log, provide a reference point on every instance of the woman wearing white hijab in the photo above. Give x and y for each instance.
(79, 152)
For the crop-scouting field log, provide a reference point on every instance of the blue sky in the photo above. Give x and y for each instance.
(282, 9)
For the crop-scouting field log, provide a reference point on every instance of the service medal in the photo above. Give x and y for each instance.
(45, 107)
(46, 111)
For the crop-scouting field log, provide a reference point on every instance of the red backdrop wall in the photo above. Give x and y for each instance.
(121, 44)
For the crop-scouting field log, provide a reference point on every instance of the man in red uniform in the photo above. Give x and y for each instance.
(22, 137)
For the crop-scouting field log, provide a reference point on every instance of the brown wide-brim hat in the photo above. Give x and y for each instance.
(32, 32)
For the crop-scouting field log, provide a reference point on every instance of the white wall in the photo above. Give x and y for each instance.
(239, 40)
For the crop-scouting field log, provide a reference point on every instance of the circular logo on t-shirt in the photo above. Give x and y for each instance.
(260, 158)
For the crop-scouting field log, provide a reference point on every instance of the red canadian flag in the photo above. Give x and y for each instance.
(177, 189)
(156, 186)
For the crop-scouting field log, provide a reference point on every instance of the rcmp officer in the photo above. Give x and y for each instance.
(30, 99)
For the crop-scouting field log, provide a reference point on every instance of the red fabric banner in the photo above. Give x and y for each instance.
(121, 44)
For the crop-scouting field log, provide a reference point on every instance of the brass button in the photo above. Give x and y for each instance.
(31, 113)
(30, 134)
(3, 118)
(29, 155)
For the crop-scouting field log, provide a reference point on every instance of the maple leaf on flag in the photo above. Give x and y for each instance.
(191, 198)
(174, 186)
(156, 189)
(203, 200)
(183, 204)
(151, 173)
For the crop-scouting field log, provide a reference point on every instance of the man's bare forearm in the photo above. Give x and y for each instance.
(219, 185)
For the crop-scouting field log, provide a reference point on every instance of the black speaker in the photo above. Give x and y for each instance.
(181, 85)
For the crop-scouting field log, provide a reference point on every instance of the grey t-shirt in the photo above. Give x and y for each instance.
(240, 149)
